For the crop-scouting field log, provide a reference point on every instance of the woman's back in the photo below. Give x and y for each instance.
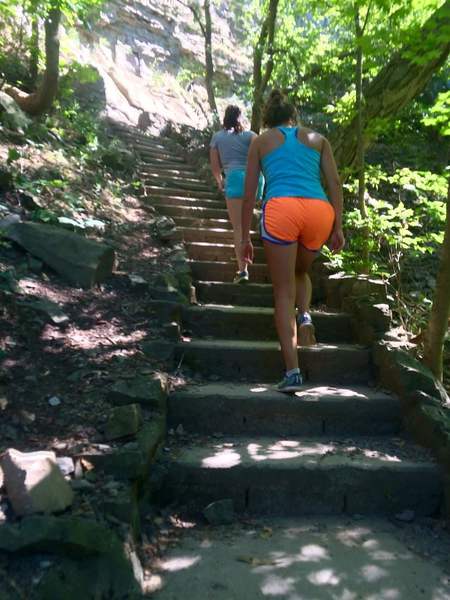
(290, 160)
(232, 147)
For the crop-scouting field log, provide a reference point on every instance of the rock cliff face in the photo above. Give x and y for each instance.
(150, 54)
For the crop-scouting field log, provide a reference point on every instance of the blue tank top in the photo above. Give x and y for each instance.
(292, 169)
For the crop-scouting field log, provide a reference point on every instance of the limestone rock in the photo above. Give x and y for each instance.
(11, 114)
(148, 391)
(220, 512)
(34, 483)
(95, 563)
(78, 260)
(123, 421)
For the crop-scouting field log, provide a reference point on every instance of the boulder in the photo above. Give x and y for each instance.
(404, 374)
(123, 421)
(95, 563)
(150, 391)
(11, 115)
(34, 483)
(78, 260)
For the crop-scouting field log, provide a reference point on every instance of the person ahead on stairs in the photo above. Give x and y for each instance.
(298, 218)
(228, 153)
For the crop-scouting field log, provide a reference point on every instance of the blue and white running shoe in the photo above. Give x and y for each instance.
(305, 330)
(291, 383)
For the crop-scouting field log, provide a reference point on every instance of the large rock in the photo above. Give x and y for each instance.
(11, 114)
(124, 421)
(95, 562)
(34, 483)
(405, 375)
(149, 391)
(78, 260)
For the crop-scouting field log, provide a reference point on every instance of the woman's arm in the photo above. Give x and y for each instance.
(216, 167)
(334, 186)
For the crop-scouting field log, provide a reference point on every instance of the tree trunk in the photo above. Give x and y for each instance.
(401, 80)
(209, 64)
(360, 155)
(34, 51)
(438, 324)
(260, 80)
(40, 101)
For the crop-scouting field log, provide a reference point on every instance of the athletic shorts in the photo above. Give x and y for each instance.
(307, 221)
(234, 184)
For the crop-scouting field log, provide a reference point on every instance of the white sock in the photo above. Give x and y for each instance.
(295, 371)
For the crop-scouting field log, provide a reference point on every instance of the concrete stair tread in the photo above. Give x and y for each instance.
(259, 409)
(255, 310)
(257, 323)
(258, 345)
(274, 452)
(288, 475)
(206, 202)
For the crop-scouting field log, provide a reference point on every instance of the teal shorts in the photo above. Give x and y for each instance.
(234, 184)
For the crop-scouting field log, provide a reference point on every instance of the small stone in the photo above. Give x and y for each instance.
(220, 512)
(34, 483)
(65, 463)
(180, 430)
(406, 516)
(54, 401)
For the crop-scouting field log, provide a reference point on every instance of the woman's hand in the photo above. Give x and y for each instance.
(219, 181)
(337, 240)
(247, 251)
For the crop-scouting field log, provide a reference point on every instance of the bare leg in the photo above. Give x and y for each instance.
(305, 258)
(234, 207)
(281, 261)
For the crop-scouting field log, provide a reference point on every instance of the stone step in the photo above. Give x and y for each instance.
(225, 271)
(259, 410)
(181, 183)
(193, 224)
(192, 211)
(291, 476)
(254, 323)
(163, 190)
(164, 200)
(160, 169)
(152, 153)
(250, 294)
(261, 361)
(315, 557)
(143, 142)
(148, 162)
(219, 252)
(215, 234)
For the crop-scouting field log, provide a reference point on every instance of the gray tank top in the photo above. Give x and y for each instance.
(233, 148)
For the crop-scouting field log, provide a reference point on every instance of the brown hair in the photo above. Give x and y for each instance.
(232, 119)
(278, 110)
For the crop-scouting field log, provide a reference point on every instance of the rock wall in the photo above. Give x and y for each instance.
(150, 54)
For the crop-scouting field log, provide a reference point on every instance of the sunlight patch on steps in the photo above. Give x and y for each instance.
(180, 563)
(223, 459)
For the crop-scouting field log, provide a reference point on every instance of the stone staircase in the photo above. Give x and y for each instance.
(334, 448)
